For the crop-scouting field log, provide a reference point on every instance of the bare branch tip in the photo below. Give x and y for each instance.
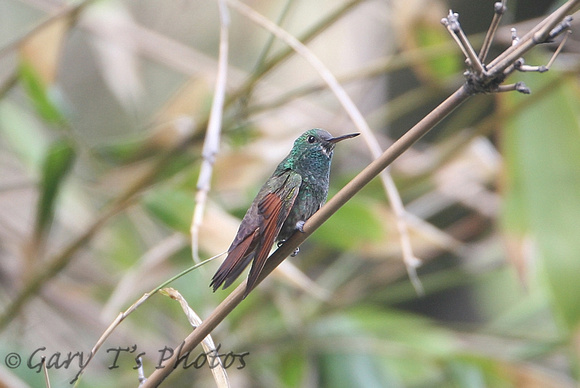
(414, 262)
(564, 26)
(522, 88)
(499, 8)
(515, 38)
(520, 65)
(518, 87)
(451, 21)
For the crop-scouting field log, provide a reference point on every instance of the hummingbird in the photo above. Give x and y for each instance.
(295, 191)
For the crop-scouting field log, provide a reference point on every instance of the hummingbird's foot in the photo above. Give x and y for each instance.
(279, 244)
(300, 226)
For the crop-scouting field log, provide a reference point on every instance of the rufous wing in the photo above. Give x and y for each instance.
(274, 209)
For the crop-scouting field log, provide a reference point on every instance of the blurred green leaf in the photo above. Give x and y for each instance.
(242, 135)
(124, 244)
(444, 65)
(23, 133)
(38, 93)
(293, 367)
(120, 153)
(542, 153)
(172, 207)
(414, 331)
(352, 370)
(387, 346)
(352, 225)
(57, 163)
(466, 374)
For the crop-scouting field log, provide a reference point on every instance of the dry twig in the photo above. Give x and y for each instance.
(212, 136)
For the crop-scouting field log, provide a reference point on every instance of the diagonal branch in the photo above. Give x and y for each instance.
(355, 185)
(313, 223)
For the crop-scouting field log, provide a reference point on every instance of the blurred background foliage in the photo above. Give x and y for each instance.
(103, 109)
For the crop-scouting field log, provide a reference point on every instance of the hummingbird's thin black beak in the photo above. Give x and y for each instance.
(343, 137)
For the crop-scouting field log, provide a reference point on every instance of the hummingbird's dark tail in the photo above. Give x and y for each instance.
(237, 260)
(227, 276)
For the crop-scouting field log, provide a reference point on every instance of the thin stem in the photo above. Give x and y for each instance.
(272, 38)
(454, 28)
(535, 36)
(67, 11)
(284, 54)
(212, 136)
(558, 50)
(55, 265)
(121, 316)
(499, 9)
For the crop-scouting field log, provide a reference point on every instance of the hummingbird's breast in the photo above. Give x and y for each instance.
(311, 196)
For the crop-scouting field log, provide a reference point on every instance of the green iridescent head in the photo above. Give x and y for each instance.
(315, 143)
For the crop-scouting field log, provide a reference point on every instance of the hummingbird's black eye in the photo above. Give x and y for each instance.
(311, 139)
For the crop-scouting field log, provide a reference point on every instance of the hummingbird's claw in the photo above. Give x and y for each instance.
(300, 226)
(279, 244)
